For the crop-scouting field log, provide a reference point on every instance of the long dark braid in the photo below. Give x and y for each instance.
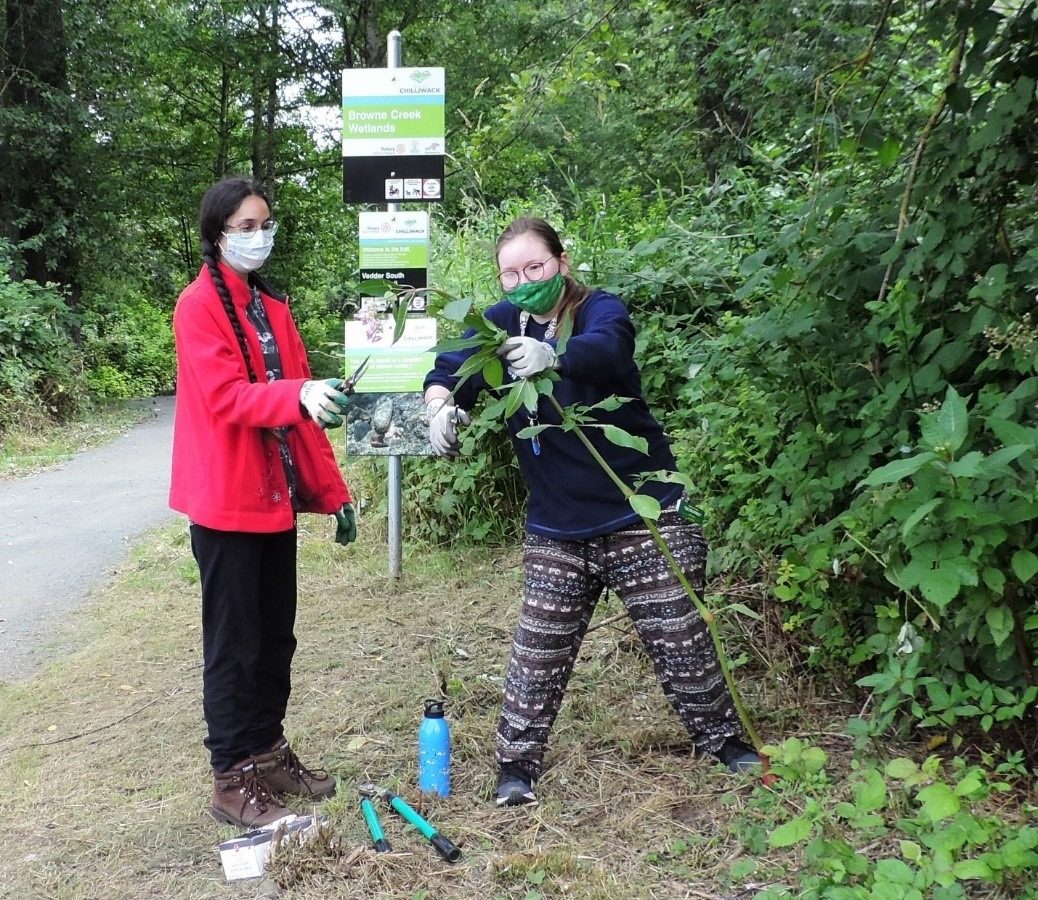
(218, 205)
(209, 254)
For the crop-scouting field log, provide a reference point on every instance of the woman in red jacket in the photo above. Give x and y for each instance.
(248, 456)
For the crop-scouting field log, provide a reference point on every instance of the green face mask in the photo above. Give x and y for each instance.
(537, 297)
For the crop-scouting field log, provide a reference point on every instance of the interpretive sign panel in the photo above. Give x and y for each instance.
(393, 135)
(394, 247)
(387, 416)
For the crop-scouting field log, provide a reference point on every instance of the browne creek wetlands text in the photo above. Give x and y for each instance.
(378, 122)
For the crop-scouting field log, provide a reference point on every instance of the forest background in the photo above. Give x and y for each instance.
(822, 215)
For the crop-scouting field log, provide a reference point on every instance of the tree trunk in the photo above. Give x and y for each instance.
(37, 198)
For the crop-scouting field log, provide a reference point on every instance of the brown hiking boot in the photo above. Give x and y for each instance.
(285, 774)
(241, 797)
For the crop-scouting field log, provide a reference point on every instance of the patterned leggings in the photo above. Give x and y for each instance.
(562, 583)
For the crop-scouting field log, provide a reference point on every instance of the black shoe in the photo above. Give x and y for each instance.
(738, 756)
(514, 786)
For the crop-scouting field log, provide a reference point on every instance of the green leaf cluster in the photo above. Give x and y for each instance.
(891, 830)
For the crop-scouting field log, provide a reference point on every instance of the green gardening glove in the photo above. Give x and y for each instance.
(346, 525)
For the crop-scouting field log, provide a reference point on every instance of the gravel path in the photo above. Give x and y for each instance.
(65, 530)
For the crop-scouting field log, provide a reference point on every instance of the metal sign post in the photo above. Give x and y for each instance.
(394, 59)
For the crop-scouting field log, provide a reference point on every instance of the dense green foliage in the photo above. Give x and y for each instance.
(822, 215)
(40, 372)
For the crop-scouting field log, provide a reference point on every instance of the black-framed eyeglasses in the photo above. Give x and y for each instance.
(250, 228)
(534, 271)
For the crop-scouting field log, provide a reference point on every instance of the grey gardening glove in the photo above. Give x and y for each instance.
(444, 419)
(324, 401)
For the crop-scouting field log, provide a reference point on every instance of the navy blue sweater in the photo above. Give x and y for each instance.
(571, 498)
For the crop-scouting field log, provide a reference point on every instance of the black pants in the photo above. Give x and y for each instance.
(248, 614)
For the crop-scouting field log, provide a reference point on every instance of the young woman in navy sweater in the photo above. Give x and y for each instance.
(581, 534)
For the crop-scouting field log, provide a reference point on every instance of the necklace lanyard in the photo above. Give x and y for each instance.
(549, 333)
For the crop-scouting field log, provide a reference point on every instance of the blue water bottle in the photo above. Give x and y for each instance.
(434, 751)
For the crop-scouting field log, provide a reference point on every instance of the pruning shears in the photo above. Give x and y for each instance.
(444, 847)
(350, 384)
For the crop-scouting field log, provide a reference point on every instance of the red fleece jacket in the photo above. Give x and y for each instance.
(227, 471)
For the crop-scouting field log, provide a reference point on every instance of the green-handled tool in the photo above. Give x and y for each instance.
(374, 826)
(443, 845)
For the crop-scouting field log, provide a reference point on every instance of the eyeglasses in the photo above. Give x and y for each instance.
(251, 228)
(534, 271)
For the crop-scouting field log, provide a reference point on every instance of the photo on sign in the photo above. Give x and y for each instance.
(388, 425)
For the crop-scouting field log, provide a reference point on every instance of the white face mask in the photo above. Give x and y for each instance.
(247, 252)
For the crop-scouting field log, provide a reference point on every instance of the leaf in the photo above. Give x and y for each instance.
(459, 343)
(959, 98)
(888, 152)
(622, 438)
(494, 372)
(1010, 433)
(375, 287)
(531, 431)
(1000, 459)
(911, 850)
(968, 466)
(940, 586)
(515, 399)
(647, 507)
(871, 792)
(399, 322)
(918, 516)
(939, 802)
(898, 469)
(901, 768)
(456, 310)
(792, 832)
(1025, 564)
(357, 743)
(530, 397)
(1000, 622)
(743, 610)
(953, 419)
(475, 363)
(753, 262)
(994, 580)
(968, 869)
(894, 871)
(610, 403)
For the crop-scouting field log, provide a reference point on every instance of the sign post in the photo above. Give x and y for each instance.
(394, 59)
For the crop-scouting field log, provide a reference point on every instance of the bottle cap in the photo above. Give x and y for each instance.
(434, 709)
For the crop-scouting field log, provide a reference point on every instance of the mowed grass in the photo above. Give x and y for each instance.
(104, 785)
(30, 445)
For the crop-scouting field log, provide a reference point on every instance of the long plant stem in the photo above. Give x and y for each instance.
(708, 617)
